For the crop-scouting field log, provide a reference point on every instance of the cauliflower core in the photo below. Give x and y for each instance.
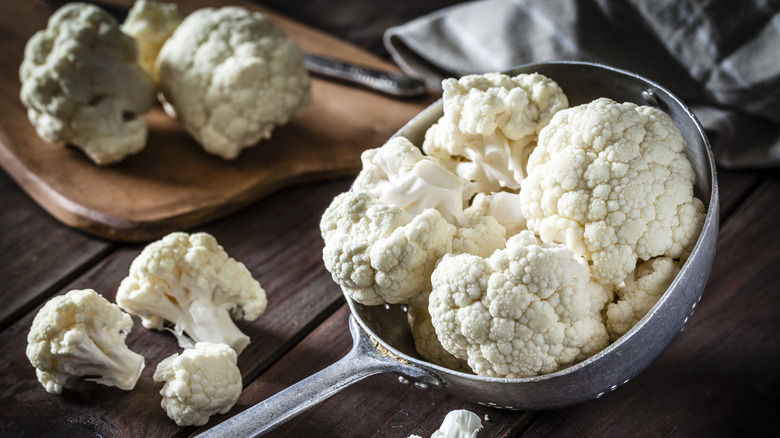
(151, 24)
(611, 181)
(190, 282)
(531, 308)
(82, 84)
(82, 334)
(199, 382)
(231, 76)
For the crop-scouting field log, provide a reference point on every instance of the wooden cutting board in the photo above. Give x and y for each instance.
(172, 184)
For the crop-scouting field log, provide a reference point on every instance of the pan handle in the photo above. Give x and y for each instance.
(362, 361)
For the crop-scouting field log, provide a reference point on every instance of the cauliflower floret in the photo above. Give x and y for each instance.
(529, 309)
(82, 84)
(398, 173)
(483, 236)
(504, 207)
(231, 76)
(611, 181)
(426, 342)
(199, 382)
(82, 334)
(151, 24)
(490, 125)
(192, 283)
(639, 293)
(377, 253)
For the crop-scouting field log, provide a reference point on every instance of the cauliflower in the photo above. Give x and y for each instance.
(82, 84)
(611, 181)
(151, 24)
(426, 342)
(529, 309)
(398, 173)
(192, 283)
(377, 252)
(490, 125)
(459, 423)
(639, 293)
(505, 207)
(82, 334)
(199, 382)
(231, 76)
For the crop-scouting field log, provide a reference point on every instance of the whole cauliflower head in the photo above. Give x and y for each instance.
(190, 282)
(529, 309)
(231, 76)
(82, 84)
(612, 182)
(639, 293)
(82, 334)
(490, 125)
(201, 381)
(377, 253)
(151, 24)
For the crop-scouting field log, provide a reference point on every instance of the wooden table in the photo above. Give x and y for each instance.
(718, 378)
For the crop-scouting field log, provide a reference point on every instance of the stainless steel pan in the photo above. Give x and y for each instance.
(382, 339)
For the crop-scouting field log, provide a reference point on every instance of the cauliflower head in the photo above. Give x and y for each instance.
(231, 76)
(639, 293)
(377, 253)
(82, 84)
(612, 182)
(531, 308)
(151, 24)
(490, 125)
(398, 173)
(189, 281)
(427, 343)
(201, 381)
(82, 334)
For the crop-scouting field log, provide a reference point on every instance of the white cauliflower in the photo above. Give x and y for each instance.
(639, 293)
(377, 253)
(505, 207)
(82, 334)
(231, 76)
(611, 181)
(82, 84)
(426, 342)
(490, 125)
(189, 281)
(398, 173)
(199, 382)
(151, 24)
(531, 308)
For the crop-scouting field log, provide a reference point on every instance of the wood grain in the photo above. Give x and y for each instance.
(172, 184)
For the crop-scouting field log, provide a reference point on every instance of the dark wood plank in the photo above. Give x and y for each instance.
(37, 254)
(719, 377)
(277, 239)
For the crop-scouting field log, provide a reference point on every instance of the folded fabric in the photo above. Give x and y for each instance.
(722, 57)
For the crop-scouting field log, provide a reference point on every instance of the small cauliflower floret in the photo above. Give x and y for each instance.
(639, 293)
(82, 84)
(151, 24)
(529, 309)
(398, 173)
(426, 342)
(377, 253)
(82, 334)
(490, 125)
(201, 381)
(504, 207)
(190, 282)
(612, 182)
(480, 237)
(231, 76)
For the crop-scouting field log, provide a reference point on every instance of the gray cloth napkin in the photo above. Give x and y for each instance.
(722, 57)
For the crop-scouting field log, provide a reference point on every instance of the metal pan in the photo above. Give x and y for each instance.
(383, 341)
